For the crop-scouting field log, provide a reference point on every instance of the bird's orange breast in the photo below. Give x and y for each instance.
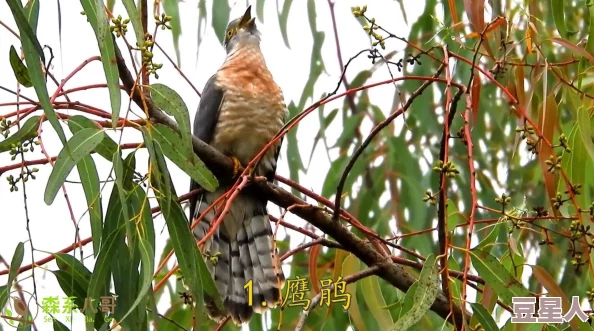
(253, 108)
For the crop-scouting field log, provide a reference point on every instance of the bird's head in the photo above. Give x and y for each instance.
(241, 31)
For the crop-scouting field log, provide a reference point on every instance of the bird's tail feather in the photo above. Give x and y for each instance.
(245, 261)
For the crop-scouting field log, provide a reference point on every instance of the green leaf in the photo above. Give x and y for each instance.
(118, 168)
(317, 62)
(19, 68)
(27, 131)
(147, 255)
(125, 269)
(173, 104)
(59, 9)
(316, 68)
(180, 314)
(73, 278)
(260, 10)
(33, 57)
(325, 121)
(161, 176)
(590, 42)
(293, 154)
(142, 207)
(87, 171)
(361, 78)
(425, 294)
(350, 266)
(134, 15)
(202, 19)
(403, 11)
(189, 163)
(405, 304)
(15, 264)
(558, 10)
(220, 18)
(491, 237)
(190, 259)
(576, 162)
(283, 18)
(26, 326)
(102, 271)
(375, 301)
(333, 175)
(3, 296)
(495, 274)
(255, 324)
(114, 216)
(585, 129)
(484, 317)
(171, 8)
(455, 217)
(81, 144)
(58, 326)
(24, 23)
(106, 148)
(351, 123)
(79, 273)
(95, 11)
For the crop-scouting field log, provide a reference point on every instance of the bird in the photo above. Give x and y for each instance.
(241, 110)
(20, 307)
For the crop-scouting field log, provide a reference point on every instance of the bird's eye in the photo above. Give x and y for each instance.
(230, 33)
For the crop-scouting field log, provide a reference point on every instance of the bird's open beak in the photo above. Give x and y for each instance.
(246, 19)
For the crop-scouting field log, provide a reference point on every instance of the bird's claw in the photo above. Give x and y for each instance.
(237, 165)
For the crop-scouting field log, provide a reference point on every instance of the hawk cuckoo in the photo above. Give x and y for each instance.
(241, 111)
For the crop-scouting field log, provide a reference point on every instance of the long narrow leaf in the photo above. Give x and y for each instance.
(171, 8)
(484, 317)
(119, 172)
(173, 104)
(586, 129)
(190, 259)
(425, 294)
(106, 148)
(15, 263)
(283, 19)
(220, 18)
(189, 163)
(34, 57)
(95, 11)
(134, 15)
(101, 272)
(558, 11)
(24, 25)
(73, 277)
(58, 326)
(147, 255)
(20, 70)
(28, 130)
(87, 171)
(81, 144)
(504, 284)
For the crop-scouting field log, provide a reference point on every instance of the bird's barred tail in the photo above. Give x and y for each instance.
(246, 268)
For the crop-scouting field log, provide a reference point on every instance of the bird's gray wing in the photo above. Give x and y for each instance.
(205, 124)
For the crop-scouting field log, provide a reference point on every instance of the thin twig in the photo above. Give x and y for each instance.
(374, 133)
